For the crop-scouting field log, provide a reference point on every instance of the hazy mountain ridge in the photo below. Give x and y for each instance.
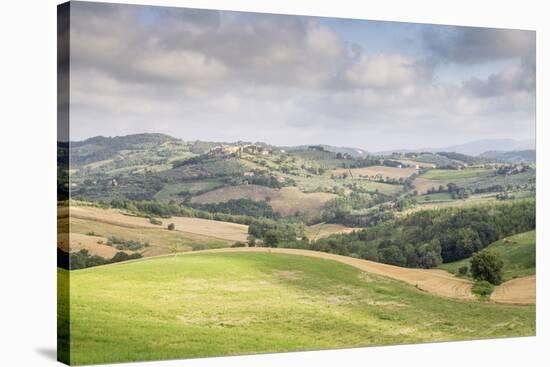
(476, 147)
(515, 156)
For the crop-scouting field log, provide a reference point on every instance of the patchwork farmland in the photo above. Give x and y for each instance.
(305, 249)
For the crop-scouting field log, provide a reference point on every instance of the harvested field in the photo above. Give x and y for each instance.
(422, 185)
(204, 227)
(90, 243)
(161, 241)
(520, 291)
(285, 201)
(371, 172)
(321, 230)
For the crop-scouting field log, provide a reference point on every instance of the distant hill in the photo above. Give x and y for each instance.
(353, 152)
(480, 146)
(477, 147)
(126, 141)
(102, 148)
(516, 156)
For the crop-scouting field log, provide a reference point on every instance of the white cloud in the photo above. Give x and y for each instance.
(285, 80)
(180, 66)
(386, 71)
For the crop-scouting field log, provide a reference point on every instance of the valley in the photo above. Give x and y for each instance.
(324, 249)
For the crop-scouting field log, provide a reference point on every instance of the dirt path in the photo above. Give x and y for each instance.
(521, 290)
(434, 281)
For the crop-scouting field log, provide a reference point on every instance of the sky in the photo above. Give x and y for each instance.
(293, 80)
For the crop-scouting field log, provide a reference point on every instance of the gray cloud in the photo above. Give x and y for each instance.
(214, 75)
(469, 45)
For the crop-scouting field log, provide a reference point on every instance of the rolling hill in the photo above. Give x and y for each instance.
(92, 227)
(518, 253)
(209, 304)
(285, 201)
(514, 156)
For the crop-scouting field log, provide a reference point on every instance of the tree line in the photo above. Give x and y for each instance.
(82, 259)
(427, 238)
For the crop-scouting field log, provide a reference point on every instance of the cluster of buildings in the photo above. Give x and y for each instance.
(225, 149)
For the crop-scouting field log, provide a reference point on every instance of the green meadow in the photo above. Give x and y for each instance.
(517, 252)
(198, 305)
(451, 174)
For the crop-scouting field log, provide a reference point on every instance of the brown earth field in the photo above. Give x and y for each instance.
(391, 172)
(285, 201)
(520, 290)
(422, 185)
(205, 227)
(81, 241)
(321, 230)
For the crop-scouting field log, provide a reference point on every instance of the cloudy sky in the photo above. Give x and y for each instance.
(289, 80)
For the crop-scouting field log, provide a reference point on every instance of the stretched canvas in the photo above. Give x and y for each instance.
(235, 183)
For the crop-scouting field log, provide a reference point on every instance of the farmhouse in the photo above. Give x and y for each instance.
(225, 149)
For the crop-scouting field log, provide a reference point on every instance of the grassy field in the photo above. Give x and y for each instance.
(517, 252)
(439, 196)
(312, 184)
(237, 303)
(383, 171)
(321, 230)
(473, 200)
(451, 174)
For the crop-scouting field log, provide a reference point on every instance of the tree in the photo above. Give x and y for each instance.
(171, 226)
(487, 265)
(271, 238)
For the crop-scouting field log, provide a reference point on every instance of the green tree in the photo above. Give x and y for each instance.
(487, 265)
(271, 238)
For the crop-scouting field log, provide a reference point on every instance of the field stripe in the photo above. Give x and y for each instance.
(516, 291)
(196, 226)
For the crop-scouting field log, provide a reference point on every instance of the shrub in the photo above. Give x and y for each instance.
(124, 244)
(487, 265)
(483, 289)
(171, 226)
(238, 244)
(123, 256)
(198, 246)
(463, 270)
(155, 221)
(271, 238)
